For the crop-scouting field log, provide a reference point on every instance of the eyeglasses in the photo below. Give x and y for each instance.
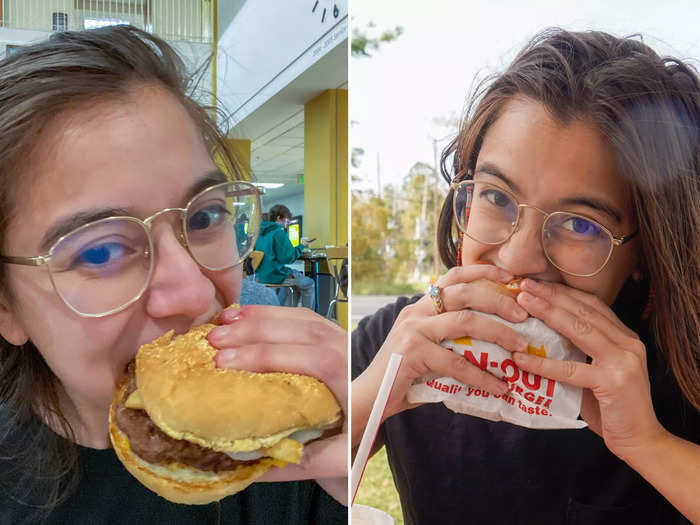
(104, 266)
(573, 243)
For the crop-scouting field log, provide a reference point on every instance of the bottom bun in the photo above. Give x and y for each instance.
(181, 483)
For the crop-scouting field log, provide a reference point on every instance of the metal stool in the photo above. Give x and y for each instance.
(335, 257)
(256, 257)
(287, 302)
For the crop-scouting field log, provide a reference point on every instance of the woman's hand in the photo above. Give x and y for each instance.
(297, 340)
(616, 398)
(418, 331)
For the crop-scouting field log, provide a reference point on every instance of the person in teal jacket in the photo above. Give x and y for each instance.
(278, 249)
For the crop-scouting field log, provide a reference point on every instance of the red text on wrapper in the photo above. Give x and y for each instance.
(533, 388)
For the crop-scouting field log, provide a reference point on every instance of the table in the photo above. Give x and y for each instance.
(315, 265)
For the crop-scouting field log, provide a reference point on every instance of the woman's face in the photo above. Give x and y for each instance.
(554, 167)
(141, 155)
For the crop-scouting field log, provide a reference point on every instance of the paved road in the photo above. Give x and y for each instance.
(363, 305)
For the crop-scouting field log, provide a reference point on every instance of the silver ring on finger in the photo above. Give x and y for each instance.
(435, 293)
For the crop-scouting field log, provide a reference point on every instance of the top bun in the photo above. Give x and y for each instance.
(188, 397)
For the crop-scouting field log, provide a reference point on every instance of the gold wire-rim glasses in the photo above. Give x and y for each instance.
(145, 224)
(615, 241)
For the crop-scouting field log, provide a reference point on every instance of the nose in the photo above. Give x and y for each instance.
(178, 286)
(522, 253)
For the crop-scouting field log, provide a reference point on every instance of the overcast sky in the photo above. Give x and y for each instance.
(429, 70)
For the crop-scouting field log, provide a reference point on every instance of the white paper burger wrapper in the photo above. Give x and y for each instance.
(531, 401)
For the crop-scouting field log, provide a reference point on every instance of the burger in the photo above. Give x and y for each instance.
(511, 288)
(194, 433)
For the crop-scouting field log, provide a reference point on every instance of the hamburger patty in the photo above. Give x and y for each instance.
(153, 445)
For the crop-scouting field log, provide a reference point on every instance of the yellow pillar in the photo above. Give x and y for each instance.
(241, 153)
(326, 173)
(213, 16)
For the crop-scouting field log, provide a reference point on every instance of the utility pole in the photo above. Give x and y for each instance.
(379, 179)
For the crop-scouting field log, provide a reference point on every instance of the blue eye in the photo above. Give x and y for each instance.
(582, 226)
(101, 254)
(205, 218)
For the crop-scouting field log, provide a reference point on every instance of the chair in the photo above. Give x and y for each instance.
(256, 257)
(336, 255)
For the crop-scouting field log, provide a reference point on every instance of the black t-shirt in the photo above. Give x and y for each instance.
(108, 494)
(453, 468)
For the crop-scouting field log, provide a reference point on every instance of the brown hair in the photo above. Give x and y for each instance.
(38, 84)
(648, 108)
(279, 211)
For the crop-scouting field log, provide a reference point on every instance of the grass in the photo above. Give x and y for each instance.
(377, 487)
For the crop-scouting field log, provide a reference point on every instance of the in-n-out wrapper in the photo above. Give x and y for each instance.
(531, 401)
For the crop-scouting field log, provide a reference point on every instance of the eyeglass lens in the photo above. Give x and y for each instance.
(102, 266)
(222, 225)
(573, 243)
(108, 263)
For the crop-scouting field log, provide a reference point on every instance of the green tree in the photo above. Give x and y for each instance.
(393, 236)
(367, 39)
(370, 240)
(415, 215)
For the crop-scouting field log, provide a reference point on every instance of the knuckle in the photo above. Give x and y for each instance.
(401, 326)
(569, 368)
(408, 311)
(318, 330)
(464, 316)
(454, 272)
(506, 337)
(407, 337)
(584, 310)
(461, 365)
(618, 378)
(413, 339)
(582, 326)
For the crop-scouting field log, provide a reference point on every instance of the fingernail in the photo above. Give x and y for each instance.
(519, 312)
(528, 298)
(522, 343)
(230, 314)
(226, 357)
(215, 334)
(532, 285)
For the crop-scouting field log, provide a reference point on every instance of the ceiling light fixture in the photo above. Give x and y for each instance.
(269, 185)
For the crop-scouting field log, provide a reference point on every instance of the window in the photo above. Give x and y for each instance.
(94, 23)
(60, 21)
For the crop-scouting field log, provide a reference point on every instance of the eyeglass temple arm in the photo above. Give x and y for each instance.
(26, 261)
(618, 241)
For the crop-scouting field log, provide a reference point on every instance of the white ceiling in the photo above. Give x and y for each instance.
(276, 129)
